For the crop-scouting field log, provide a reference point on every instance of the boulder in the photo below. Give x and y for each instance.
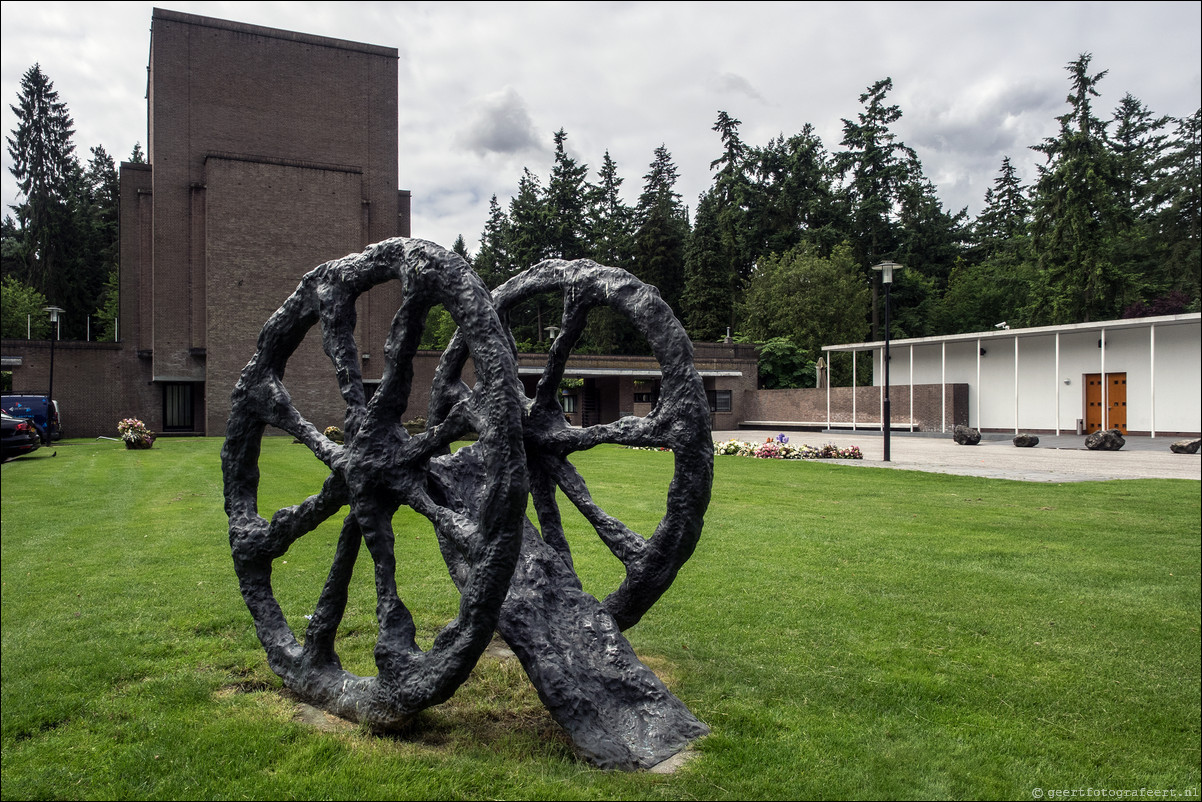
(1185, 446)
(1110, 440)
(966, 436)
(1026, 440)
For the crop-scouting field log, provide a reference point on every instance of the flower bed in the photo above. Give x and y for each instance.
(779, 448)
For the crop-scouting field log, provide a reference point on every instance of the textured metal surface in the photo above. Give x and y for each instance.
(513, 577)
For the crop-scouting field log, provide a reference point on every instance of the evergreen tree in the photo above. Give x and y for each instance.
(460, 247)
(931, 242)
(663, 230)
(1007, 212)
(100, 232)
(492, 261)
(732, 190)
(792, 195)
(566, 198)
(1076, 215)
(1139, 143)
(1179, 215)
(609, 221)
(609, 224)
(991, 285)
(876, 168)
(44, 164)
(528, 244)
(136, 156)
(708, 297)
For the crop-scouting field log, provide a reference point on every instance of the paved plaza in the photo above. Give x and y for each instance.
(1061, 458)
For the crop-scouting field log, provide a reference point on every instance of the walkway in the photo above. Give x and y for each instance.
(1061, 458)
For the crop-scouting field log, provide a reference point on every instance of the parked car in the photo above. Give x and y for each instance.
(20, 437)
(38, 410)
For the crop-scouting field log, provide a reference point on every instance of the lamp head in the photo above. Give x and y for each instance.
(886, 270)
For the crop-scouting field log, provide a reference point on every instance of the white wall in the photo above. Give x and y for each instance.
(1162, 360)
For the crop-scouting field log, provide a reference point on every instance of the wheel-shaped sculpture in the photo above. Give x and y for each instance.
(680, 421)
(379, 468)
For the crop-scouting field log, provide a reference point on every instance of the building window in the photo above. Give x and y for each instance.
(719, 400)
(568, 402)
(644, 392)
(178, 407)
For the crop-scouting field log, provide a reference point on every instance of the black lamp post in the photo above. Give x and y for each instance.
(886, 269)
(54, 311)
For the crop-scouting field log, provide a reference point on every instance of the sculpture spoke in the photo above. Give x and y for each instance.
(625, 544)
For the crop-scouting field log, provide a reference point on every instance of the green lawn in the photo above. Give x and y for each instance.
(846, 633)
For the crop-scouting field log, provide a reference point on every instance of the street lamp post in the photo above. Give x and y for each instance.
(886, 270)
(54, 311)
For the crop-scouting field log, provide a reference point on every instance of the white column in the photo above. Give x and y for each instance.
(943, 386)
(1105, 387)
(911, 388)
(853, 391)
(1152, 378)
(1056, 378)
(829, 356)
(978, 385)
(1016, 385)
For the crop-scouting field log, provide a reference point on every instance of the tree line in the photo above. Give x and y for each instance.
(777, 251)
(59, 244)
(780, 247)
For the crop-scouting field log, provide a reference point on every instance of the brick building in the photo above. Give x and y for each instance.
(271, 152)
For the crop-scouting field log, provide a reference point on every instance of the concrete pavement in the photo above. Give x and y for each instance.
(1062, 458)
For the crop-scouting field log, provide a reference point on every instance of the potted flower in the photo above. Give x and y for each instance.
(135, 434)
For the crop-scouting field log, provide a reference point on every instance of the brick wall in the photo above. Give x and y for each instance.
(96, 384)
(933, 410)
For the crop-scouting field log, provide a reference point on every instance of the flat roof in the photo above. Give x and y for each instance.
(638, 373)
(1126, 323)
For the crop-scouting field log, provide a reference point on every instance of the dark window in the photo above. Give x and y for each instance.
(719, 400)
(178, 407)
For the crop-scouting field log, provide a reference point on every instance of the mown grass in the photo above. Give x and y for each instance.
(846, 633)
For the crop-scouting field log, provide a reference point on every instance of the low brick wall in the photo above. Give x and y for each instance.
(808, 406)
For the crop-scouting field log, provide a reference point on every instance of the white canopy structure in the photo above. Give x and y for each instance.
(1142, 375)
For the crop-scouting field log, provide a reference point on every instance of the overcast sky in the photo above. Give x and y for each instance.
(483, 86)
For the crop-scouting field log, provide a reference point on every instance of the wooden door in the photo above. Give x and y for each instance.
(1116, 401)
(1093, 402)
(1105, 409)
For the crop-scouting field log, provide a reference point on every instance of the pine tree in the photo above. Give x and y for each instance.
(1139, 143)
(609, 221)
(708, 298)
(44, 164)
(1076, 215)
(663, 230)
(1179, 215)
(566, 198)
(732, 190)
(1007, 212)
(492, 261)
(876, 168)
(792, 195)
